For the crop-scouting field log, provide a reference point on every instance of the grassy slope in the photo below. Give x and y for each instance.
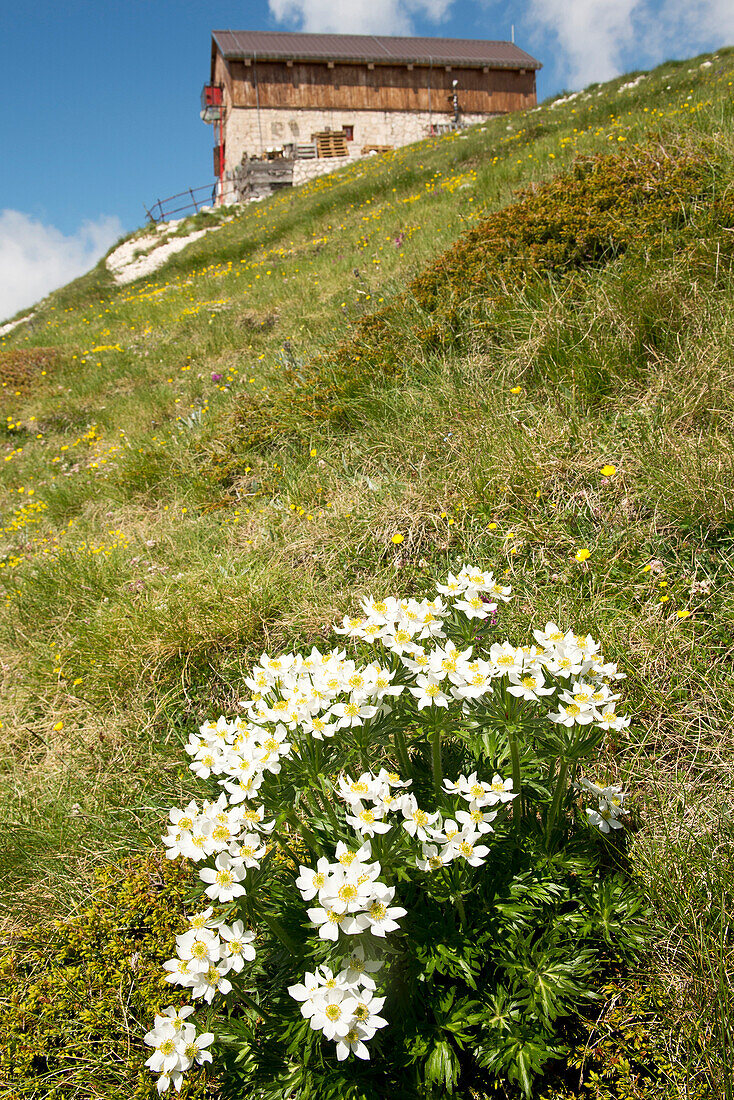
(149, 555)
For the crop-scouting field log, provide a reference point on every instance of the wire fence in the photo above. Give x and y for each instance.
(192, 200)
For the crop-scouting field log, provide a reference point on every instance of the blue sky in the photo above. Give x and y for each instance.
(101, 97)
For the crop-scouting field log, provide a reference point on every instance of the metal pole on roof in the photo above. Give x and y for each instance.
(513, 34)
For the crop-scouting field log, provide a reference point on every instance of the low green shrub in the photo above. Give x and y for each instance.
(20, 367)
(628, 1050)
(643, 202)
(72, 1001)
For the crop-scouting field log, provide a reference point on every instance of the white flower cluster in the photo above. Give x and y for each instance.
(371, 800)
(232, 833)
(343, 1006)
(402, 624)
(296, 699)
(611, 805)
(205, 954)
(351, 897)
(177, 1047)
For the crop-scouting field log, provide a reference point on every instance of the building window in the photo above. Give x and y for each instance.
(348, 132)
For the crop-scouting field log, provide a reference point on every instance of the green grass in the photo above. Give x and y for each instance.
(163, 526)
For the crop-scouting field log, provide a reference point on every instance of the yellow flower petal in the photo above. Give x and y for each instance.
(398, 538)
(609, 471)
(582, 555)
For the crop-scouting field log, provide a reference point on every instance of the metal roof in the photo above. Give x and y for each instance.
(375, 49)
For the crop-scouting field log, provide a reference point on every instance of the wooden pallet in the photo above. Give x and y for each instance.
(376, 149)
(331, 143)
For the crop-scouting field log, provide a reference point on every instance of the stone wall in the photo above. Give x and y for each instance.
(251, 131)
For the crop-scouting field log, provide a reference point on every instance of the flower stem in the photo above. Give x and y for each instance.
(516, 773)
(401, 751)
(462, 911)
(557, 799)
(436, 757)
(326, 798)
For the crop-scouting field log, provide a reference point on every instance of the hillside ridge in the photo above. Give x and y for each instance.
(513, 346)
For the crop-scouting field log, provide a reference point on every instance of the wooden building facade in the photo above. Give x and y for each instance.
(280, 91)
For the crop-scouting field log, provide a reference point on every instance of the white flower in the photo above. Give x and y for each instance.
(445, 660)
(474, 819)
(194, 1050)
(416, 821)
(165, 1057)
(570, 713)
(192, 843)
(207, 760)
(474, 607)
(604, 818)
(225, 880)
(236, 946)
(328, 921)
(428, 692)
(248, 851)
(348, 892)
(478, 793)
(367, 821)
(210, 983)
(528, 685)
(470, 851)
(254, 817)
(309, 882)
(380, 918)
(309, 990)
(500, 791)
(563, 660)
(608, 720)
(353, 1042)
(199, 947)
(550, 637)
(433, 859)
(180, 972)
(171, 1018)
(473, 681)
(351, 714)
(357, 969)
(364, 1008)
(201, 920)
(507, 658)
(330, 1015)
(165, 1081)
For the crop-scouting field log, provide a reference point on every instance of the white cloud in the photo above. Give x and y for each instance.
(357, 16)
(599, 39)
(37, 258)
(592, 34)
